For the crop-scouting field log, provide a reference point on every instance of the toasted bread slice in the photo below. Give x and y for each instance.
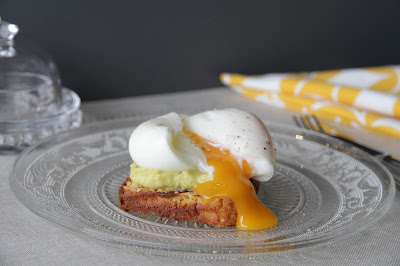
(182, 206)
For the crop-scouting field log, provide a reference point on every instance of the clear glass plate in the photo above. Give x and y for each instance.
(322, 190)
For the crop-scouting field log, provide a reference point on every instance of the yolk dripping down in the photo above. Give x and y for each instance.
(231, 181)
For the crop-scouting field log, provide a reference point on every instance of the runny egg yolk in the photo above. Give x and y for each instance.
(231, 181)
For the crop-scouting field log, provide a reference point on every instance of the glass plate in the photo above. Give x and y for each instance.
(322, 190)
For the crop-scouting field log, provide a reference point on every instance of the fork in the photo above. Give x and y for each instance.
(312, 122)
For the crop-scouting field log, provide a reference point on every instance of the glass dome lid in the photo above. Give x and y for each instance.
(33, 103)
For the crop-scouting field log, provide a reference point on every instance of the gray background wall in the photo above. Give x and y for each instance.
(110, 49)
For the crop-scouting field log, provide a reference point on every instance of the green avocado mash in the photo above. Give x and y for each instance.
(173, 180)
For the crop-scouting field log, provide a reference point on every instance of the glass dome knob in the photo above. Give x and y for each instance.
(7, 30)
(7, 34)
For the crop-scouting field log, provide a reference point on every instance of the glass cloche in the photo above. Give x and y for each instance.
(33, 103)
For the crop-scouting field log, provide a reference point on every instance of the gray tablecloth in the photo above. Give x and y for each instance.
(26, 239)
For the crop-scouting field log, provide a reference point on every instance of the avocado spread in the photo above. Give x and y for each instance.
(172, 180)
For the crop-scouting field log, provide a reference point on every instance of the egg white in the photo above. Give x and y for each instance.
(161, 144)
(240, 132)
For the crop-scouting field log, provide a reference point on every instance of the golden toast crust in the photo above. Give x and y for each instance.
(183, 206)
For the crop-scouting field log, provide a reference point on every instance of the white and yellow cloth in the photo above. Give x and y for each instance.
(361, 97)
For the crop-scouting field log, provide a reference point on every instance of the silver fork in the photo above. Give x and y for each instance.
(312, 122)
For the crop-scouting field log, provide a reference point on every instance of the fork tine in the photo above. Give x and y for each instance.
(298, 121)
(303, 122)
(318, 124)
(310, 123)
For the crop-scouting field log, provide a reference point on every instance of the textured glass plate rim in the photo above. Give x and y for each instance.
(207, 250)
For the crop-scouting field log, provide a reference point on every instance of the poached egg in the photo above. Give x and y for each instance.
(230, 145)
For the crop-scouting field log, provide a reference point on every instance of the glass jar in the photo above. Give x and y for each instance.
(33, 104)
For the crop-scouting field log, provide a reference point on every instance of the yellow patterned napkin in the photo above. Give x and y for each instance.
(361, 97)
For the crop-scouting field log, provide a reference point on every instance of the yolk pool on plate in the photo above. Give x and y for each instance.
(231, 181)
